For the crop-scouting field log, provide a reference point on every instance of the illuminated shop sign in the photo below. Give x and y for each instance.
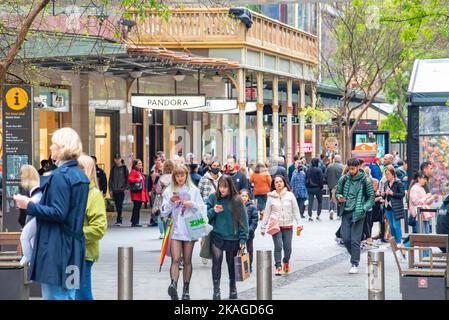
(167, 102)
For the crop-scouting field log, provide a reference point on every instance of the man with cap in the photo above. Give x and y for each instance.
(118, 183)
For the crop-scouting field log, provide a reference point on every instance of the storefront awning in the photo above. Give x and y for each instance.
(96, 54)
(429, 83)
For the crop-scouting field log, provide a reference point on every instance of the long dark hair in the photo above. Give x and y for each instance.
(135, 162)
(233, 195)
(286, 184)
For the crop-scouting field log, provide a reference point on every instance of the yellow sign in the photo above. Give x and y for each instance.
(16, 98)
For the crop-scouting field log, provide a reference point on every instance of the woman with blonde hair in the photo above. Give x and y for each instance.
(95, 225)
(29, 181)
(59, 243)
(180, 200)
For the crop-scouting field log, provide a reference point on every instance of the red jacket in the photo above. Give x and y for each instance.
(142, 196)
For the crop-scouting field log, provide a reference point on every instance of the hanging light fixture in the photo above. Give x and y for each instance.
(135, 73)
(195, 75)
(216, 77)
(179, 76)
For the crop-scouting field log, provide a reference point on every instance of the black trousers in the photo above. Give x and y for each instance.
(119, 197)
(318, 193)
(301, 204)
(351, 233)
(250, 249)
(368, 225)
(135, 218)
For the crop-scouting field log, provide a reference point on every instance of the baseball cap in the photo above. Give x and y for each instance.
(117, 156)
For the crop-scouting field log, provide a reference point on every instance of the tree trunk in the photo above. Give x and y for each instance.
(347, 142)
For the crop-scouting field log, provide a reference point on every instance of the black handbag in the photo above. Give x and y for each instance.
(136, 186)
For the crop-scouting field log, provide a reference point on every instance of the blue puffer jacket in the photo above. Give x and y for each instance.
(59, 246)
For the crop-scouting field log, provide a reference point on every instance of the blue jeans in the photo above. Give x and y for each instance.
(161, 224)
(52, 292)
(426, 227)
(395, 226)
(85, 291)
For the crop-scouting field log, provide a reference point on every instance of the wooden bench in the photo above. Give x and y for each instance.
(10, 239)
(428, 268)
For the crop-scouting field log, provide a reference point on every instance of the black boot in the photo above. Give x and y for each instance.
(185, 292)
(216, 295)
(173, 290)
(232, 290)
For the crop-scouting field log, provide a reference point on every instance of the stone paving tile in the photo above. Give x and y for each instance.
(315, 257)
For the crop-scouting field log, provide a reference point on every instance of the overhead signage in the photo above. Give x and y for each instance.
(283, 119)
(157, 102)
(17, 116)
(112, 104)
(217, 105)
(249, 107)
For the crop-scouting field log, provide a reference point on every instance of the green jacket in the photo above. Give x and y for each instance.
(223, 223)
(95, 222)
(364, 197)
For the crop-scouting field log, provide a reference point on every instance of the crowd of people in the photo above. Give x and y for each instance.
(63, 211)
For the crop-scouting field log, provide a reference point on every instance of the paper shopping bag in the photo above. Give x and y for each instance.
(241, 266)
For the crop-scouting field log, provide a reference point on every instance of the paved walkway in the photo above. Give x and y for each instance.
(319, 267)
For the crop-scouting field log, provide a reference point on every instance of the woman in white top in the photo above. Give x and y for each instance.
(180, 199)
(282, 205)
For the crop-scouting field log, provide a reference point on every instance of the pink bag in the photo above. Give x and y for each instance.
(273, 225)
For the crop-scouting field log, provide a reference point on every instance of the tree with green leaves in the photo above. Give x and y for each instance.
(367, 54)
(21, 19)
(377, 43)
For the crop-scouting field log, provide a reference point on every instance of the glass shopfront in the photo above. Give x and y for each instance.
(434, 145)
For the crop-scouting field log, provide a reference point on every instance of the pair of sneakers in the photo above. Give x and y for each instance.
(285, 269)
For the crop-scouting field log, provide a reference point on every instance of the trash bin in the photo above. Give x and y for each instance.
(423, 288)
(13, 280)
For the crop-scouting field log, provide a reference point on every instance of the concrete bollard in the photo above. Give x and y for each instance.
(264, 275)
(376, 275)
(125, 273)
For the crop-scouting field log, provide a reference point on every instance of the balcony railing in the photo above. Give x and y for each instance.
(214, 28)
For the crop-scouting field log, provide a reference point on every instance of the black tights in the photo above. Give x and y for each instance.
(185, 248)
(217, 259)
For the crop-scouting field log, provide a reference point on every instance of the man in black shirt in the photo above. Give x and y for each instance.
(101, 177)
(239, 179)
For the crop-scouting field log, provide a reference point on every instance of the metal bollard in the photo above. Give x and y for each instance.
(376, 275)
(264, 275)
(125, 273)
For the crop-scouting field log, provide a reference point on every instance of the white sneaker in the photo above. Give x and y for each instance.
(204, 261)
(354, 270)
(161, 236)
(331, 215)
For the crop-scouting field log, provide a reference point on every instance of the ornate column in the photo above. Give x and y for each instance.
(242, 117)
(289, 121)
(302, 120)
(275, 109)
(313, 99)
(260, 128)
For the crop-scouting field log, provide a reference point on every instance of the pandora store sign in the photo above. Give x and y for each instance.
(167, 102)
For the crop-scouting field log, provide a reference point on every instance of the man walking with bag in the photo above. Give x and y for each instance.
(355, 196)
(118, 183)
